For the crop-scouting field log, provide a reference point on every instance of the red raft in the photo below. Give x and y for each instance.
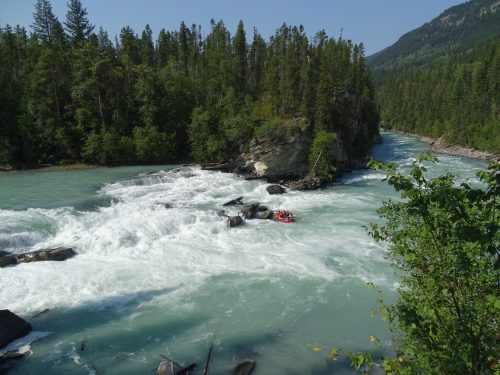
(284, 216)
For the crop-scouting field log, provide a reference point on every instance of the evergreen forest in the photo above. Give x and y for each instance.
(458, 100)
(443, 78)
(71, 94)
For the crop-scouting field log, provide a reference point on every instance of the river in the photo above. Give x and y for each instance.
(149, 279)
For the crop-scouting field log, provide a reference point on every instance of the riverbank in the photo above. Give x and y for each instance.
(440, 145)
(50, 168)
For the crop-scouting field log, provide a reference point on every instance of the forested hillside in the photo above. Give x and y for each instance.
(443, 79)
(70, 94)
(458, 100)
(455, 31)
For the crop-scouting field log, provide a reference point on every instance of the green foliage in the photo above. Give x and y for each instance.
(446, 84)
(361, 361)
(77, 23)
(108, 148)
(458, 99)
(456, 30)
(443, 240)
(205, 142)
(78, 96)
(321, 160)
(269, 125)
(152, 146)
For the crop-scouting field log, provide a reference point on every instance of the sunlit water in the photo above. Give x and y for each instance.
(148, 279)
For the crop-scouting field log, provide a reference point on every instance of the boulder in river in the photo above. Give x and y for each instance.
(244, 368)
(306, 183)
(275, 189)
(55, 254)
(250, 211)
(235, 221)
(12, 327)
(268, 214)
(234, 202)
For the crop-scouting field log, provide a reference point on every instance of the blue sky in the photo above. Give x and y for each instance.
(376, 23)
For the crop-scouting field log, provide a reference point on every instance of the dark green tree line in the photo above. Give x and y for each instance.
(69, 94)
(458, 99)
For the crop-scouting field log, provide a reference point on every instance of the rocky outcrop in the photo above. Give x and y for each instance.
(275, 189)
(56, 254)
(12, 327)
(280, 154)
(234, 221)
(306, 183)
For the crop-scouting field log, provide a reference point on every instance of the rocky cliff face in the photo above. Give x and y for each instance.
(280, 154)
(283, 154)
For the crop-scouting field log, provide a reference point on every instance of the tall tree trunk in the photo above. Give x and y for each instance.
(100, 106)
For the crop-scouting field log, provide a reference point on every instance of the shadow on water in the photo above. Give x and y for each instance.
(342, 365)
(109, 331)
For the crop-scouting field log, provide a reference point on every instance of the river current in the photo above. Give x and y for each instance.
(150, 280)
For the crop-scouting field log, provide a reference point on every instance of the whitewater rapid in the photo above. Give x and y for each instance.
(157, 267)
(138, 244)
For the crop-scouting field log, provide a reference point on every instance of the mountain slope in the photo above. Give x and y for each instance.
(454, 31)
(442, 80)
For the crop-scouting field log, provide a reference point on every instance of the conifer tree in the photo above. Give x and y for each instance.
(44, 20)
(240, 54)
(77, 24)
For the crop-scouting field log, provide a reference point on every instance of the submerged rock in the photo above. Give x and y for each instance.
(12, 327)
(268, 214)
(244, 368)
(275, 189)
(235, 221)
(165, 368)
(56, 254)
(234, 202)
(306, 183)
(250, 211)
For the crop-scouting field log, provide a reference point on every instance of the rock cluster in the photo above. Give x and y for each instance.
(56, 254)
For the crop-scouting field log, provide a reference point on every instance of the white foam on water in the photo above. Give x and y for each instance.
(23, 344)
(137, 244)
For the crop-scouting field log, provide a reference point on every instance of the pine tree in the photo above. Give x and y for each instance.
(77, 24)
(44, 20)
(147, 47)
(240, 54)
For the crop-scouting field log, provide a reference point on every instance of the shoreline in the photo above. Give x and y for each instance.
(50, 168)
(439, 145)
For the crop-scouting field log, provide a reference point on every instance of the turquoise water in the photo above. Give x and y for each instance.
(149, 280)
